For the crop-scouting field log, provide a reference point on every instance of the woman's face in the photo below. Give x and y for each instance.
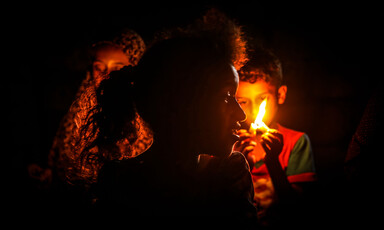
(108, 59)
(222, 115)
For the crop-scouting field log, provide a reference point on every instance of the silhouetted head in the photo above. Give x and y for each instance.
(184, 88)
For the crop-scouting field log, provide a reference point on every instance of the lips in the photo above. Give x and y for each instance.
(235, 129)
(235, 137)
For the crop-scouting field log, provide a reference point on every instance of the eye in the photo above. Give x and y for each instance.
(262, 98)
(242, 101)
(98, 67)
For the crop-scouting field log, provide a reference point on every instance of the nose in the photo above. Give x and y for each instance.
(239, 113)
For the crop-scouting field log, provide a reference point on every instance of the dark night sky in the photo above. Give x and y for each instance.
(331, 56)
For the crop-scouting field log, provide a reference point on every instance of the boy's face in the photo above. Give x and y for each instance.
(250, 96)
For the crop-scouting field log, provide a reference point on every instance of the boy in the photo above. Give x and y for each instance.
(281, 159)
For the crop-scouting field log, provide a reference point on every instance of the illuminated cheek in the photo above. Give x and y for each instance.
(250, 114)
(270, 114)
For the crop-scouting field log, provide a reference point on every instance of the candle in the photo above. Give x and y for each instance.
(258, 125)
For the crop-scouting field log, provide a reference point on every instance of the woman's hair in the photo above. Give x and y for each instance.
(168, 81)
(130, 42)
(216, 26)
(78, 133)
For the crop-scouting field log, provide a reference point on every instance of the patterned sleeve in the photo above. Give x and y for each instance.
(301, 165)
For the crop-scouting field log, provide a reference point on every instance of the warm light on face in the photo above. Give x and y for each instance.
(258, 123)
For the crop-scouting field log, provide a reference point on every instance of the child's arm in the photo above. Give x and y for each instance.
(272, 142)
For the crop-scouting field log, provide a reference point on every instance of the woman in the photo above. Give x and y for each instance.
(125, 49)
(184, 88)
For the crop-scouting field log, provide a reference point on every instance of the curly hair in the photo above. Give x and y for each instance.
(109, 131)
(97, 137)
(130, 42)
(76, 132)
(217, 26)
(262, 65)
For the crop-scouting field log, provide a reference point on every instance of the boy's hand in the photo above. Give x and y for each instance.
(272, 142)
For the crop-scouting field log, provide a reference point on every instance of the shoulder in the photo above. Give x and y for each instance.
(293, 140)
(237, 156)
(236, 169)
(300, 163)
(303, 142)
(290, 133)
(238, 159)
(298, 142)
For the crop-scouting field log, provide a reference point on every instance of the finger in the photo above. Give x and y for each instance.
(244, 139)
(252, 143)
(239, 147)
(267, 143)
(267, 138)
(265, 146)
(281, 138)
(245, 150)
(276, 134)
(246, 142)
(241, 131)
(248, 150)
(274, 138)
(273, 131)
(244, 135)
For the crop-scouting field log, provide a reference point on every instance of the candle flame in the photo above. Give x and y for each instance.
(258, 123)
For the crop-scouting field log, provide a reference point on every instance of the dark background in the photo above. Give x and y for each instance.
(331, 57)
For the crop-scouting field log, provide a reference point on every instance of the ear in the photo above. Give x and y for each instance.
(281, 94)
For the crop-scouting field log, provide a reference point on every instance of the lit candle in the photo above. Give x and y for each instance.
(258, 125)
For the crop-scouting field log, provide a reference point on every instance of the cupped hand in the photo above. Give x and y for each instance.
(246, 143)
(272, 142)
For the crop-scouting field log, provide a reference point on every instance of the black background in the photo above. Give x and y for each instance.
(331, 55)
